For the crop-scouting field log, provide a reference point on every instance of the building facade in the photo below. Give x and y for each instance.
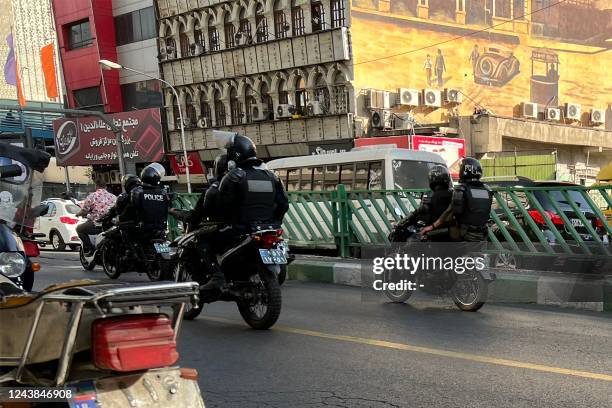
(341, 68)
(279, 71)
(117, 30)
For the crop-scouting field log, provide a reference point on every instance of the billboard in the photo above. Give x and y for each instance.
(452, 150)
(497, 53)
(88, 140)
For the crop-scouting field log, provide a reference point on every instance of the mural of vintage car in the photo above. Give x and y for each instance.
(496, 66)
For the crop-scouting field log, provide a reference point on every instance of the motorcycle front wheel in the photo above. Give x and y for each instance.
(110, 263)
(263, 310)
(470, 292)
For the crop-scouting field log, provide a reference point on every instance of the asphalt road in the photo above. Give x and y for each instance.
(333, 348)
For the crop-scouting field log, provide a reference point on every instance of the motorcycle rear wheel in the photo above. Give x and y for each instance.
(88, 266)
(470, 292)
(110, 263)
(265, 312)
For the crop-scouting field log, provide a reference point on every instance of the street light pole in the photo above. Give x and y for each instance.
(113, 65)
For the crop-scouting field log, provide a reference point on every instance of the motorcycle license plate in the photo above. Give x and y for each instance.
(162, 247)
(272, 256)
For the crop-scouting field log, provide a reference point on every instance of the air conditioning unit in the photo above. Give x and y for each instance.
(381, 119)
(259, 113)
(115, 177)
(529, 110)
(204, 122)
(284, 110)
(553, 114)
(377, 99)
(314, 108)
(573, 111)
(598, 116)
(432, 98)
(408, 97)
(453, 96)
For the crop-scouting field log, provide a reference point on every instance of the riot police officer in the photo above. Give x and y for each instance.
(432, 205)
(249, 195)
(149, 202)
(129, 182)
(207, 205)
(470, 206)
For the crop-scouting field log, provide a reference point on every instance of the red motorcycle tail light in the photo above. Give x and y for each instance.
(537, 217)
(31, 249)
(133, 342)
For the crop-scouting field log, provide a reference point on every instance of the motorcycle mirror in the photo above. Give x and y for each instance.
(12, 170)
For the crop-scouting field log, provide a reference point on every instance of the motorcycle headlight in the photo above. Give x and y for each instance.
(12, 264)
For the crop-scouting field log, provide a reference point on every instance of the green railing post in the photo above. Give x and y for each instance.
(341, 215)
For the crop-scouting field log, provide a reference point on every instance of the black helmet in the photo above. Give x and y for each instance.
(240, 149)
(129, 181)
(220, 166)
(152, 174)
(439, 177)
(470, 170)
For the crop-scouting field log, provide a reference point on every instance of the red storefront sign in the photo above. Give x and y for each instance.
(402, 142)
(177, 161)
(88, 140)
(451, 149)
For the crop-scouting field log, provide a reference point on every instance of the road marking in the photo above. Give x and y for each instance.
(431, 351)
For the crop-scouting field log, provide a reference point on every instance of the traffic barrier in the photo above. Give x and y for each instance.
(549, 221)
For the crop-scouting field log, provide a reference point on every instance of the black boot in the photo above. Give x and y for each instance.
(212, 289)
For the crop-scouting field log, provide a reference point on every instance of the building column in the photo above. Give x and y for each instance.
(460, 12)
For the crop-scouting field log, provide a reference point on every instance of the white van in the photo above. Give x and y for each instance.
(309, 221)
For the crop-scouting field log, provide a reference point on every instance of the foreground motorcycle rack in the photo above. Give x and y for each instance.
(103, 298)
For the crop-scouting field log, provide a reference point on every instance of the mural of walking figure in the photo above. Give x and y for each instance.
(440, 68)
(474, 55)
(428, 68)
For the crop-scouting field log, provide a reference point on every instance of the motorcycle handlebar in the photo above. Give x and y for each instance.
(12, 170)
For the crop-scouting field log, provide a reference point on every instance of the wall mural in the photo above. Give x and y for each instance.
(557, 55)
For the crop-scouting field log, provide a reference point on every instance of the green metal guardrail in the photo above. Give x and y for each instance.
(548, 221)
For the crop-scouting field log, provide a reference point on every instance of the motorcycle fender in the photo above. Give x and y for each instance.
(274, 269)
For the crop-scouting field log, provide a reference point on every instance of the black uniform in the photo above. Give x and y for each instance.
(432, 207)
(207, 206)
(252, 195)
(148, 207)
(470, 209)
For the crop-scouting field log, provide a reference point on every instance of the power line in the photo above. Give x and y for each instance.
(461, 36)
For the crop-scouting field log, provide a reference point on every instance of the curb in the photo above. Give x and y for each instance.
(509, 287)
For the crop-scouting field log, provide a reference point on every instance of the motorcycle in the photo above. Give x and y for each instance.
(251, 265)
(20, 187)
(89, 261)
(468, 290)
(121, 253)
(97, 344)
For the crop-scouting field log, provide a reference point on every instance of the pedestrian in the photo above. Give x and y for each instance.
(428, 66)
(440, 68)
(474, 55)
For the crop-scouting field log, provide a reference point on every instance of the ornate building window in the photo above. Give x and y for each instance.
(297, 19)
(280, 20)
(235, 107)
(220, 116)
(317, 13)
(184, 45)
(245, 28)
(261, 24)
(338, 13)
(191, 117)
(213, 36)
(230, 33)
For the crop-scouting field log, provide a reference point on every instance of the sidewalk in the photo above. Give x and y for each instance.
(511, 286)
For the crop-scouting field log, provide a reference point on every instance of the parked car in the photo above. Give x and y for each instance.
(548, 203)
(59, 225)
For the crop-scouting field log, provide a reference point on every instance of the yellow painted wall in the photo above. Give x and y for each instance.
(585, 71)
